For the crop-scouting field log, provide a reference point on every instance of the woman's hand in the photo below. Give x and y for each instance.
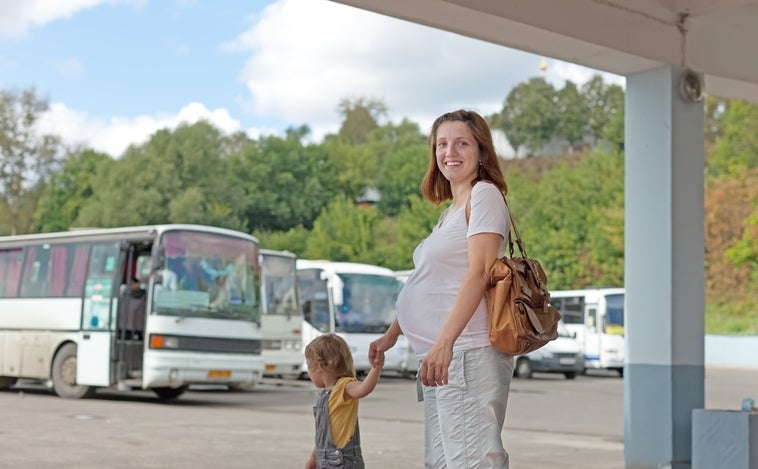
(434, 367)
(377, 348)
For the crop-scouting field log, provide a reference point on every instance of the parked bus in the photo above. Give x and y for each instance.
(357, 301)
(597, 318)
(153, 307)
(282, 315)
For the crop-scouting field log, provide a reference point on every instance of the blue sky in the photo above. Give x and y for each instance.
(115, 71)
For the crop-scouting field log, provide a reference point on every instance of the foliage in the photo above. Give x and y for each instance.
(360, 117)
(737, 147)
(69, 190)
(343, 232)
(27, 157)
(311, 199)
(284, 183)
(731, 254)
(529, 117)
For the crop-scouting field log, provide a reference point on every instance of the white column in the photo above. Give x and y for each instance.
(664, 270)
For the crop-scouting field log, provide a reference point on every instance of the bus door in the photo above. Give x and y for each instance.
(592, 336)
(96, 336)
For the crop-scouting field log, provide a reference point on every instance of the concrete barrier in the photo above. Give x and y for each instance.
(738, 351)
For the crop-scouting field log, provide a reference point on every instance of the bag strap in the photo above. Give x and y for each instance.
(519, 241)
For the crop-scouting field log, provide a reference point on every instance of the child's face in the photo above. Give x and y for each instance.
(315, 374)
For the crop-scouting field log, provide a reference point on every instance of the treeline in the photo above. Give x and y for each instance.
(355, 195)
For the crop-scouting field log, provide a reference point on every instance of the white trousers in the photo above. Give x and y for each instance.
(464, 419)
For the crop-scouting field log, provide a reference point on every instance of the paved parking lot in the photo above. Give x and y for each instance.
(551, 422)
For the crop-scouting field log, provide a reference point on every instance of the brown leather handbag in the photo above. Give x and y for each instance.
(520, 314)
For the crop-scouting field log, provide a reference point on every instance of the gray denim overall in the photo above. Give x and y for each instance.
(328, 456)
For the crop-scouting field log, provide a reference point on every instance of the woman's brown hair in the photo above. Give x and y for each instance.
(434, 186)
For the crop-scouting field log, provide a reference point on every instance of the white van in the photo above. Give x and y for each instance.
(562, 355)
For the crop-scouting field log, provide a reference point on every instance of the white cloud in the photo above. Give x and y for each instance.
(116, 134)
(308, 55)
(16, 17)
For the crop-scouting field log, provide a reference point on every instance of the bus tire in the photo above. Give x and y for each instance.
(168, 394)
(7, 381)
(570, 374)
(523, 369)
(64, 375)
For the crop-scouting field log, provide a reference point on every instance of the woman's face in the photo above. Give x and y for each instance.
(457, 152)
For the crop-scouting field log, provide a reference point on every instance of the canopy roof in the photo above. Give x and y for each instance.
(718, 38)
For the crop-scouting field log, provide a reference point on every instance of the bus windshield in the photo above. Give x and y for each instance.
(614, 322)
(206, 274)
(279, 285)
(368, 303)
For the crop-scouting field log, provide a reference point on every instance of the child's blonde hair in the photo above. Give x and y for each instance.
(331, 352)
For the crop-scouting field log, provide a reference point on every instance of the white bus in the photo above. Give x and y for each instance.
(357, 301)
(282, 315)
(597, 318)
(153, 307)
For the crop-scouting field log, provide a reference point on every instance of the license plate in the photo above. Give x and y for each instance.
(219, 374)
(270, 367)
(567, 361)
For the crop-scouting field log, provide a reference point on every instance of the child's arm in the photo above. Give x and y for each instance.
(311, 463)
(360, 389)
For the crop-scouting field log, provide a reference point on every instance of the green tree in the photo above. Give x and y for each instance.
(572, 219)
(572, 115)
(27, 158)
(737, 149)
(176, 177)
(360, 117)
(70, 189)
(284, 183)
(605, 104)
(343, 232)
(530, 116)
(403, 156)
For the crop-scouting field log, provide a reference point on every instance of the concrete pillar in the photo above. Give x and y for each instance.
(664, 270)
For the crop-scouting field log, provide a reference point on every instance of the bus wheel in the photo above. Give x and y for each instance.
(7, 381)
(523, 368)
(64, 375)
(167, 393)
(570, 374)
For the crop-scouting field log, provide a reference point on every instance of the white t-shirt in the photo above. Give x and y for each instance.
(440, 264)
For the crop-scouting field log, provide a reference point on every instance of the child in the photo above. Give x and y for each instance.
(330, 366)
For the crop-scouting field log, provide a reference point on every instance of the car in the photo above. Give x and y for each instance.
(562, 355)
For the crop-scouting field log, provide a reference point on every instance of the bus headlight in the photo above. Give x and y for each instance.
(158, 341)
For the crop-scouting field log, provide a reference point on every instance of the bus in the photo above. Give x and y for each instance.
(596, 316)
(357, 301)
(282, 315)
(155, 307)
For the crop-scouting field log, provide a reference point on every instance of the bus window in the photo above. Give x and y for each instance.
(592, 319)
(614, 319)
(11, 261)
(571, 309)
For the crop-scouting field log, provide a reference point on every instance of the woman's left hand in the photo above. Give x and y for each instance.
(434, 367)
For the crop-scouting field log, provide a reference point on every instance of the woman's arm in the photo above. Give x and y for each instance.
(377, 348)
(483, 249)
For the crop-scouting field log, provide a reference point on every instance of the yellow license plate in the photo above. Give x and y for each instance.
(270, 367)
(219, 374)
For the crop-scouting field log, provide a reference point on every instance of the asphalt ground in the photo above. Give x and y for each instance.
(551, 422)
